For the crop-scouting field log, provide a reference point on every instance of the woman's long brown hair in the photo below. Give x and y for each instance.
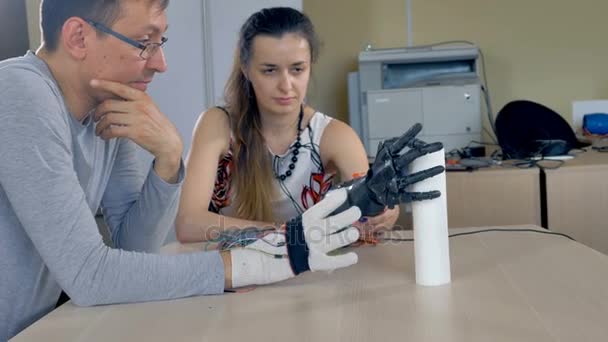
(253, 176)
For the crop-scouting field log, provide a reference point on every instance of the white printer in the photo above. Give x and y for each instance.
(437, 86)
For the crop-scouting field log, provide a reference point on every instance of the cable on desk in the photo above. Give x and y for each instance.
(239, 238)
(489, 230)
(242, 238)
(544, 164)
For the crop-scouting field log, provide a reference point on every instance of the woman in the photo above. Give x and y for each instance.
(267, 156)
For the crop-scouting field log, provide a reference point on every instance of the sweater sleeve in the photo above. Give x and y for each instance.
(37, 174)
(139, 211)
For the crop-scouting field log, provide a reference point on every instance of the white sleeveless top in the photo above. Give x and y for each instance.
(307, 185)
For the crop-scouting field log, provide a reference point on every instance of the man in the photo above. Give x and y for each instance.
(70, 117)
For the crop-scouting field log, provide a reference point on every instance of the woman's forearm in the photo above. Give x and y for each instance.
(208, 226)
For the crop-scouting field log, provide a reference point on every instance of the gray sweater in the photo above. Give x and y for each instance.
(54, 175)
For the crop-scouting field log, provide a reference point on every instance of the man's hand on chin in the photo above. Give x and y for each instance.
(135, 116)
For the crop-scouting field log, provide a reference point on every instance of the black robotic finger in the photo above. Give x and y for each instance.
(405, 139)
(419, 176)
(419, 144)
(426, 148)
(431, 148)
(420, 196)
(407, 158)
(385, 150)
(414, 153)
(382, 154)
(416, 143)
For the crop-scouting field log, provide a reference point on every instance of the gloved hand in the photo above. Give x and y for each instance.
(386, 182)
(302, 245)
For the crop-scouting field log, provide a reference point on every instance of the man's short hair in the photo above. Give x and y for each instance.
(54, 13)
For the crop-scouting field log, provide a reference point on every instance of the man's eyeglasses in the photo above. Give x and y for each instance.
(147, 50)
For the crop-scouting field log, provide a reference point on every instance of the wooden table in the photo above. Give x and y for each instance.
(506, 286)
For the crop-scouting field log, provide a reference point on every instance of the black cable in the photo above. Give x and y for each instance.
(490, 230)
(490, 113)
(543, 164)
(395, 239)
(315, 158)
(483, 143)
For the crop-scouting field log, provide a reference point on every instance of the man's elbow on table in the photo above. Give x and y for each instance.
(81, 297)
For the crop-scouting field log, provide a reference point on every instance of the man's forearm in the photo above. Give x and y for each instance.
(138, 213)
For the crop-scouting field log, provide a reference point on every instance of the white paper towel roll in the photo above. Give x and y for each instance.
(431, 245)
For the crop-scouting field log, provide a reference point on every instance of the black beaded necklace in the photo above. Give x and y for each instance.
(295, 149)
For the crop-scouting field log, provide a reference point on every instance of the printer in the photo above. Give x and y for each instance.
(436, 85)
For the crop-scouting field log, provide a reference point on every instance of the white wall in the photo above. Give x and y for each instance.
(180, 91)
(33, 22)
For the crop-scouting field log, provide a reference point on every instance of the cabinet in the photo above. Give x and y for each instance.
(494, 196)
(577, 199)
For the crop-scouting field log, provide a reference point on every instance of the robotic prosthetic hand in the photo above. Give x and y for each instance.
(387, 180)
(301, 246)
(304, 243)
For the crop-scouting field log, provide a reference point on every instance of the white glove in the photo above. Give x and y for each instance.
(302, 246)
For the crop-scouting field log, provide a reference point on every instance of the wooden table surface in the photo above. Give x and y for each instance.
(506, 286)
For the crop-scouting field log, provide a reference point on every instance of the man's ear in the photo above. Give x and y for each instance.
(74, 37)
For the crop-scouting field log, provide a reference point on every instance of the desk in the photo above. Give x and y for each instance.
(577, 199)
(506, 286)
(496, 196)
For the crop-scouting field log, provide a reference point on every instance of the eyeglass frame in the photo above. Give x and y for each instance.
(143, 47)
